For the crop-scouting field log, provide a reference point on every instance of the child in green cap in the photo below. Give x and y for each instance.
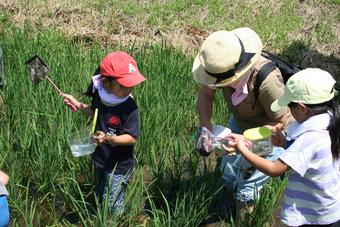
(312, 162)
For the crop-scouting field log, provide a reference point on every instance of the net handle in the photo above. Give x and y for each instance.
(55, 86)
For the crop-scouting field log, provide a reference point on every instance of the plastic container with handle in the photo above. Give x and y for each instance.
(81, 142)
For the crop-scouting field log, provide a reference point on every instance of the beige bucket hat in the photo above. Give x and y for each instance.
(225, 56)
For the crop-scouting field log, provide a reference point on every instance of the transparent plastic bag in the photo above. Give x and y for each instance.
(207, 142)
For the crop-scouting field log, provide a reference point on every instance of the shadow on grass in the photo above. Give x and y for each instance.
(302, 54)
(199, 197)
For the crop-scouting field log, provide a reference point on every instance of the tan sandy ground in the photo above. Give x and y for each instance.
(86, 21)
(81, 20)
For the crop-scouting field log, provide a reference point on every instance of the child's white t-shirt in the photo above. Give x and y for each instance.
(312, 194)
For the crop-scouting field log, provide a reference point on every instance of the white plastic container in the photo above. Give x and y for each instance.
(261, 140)
(220, 132)
(81, 143)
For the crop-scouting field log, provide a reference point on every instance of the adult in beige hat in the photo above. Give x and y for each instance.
(230, 60)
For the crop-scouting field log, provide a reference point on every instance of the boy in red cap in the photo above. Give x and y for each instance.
(117, 126)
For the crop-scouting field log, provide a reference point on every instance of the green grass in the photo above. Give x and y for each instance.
(47, 182)
(38, 123)
(336, 2)
(324, 32)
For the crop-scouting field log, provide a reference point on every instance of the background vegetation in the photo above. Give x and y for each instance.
(172, 185)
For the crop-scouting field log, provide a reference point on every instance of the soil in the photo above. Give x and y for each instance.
(88, 24)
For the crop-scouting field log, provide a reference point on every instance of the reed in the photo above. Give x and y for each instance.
(37, 124)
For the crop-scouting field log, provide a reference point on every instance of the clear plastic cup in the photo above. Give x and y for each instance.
(220, 132)
(81, 143)
(261, 139)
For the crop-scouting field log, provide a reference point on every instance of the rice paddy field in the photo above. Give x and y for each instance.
(172, 185)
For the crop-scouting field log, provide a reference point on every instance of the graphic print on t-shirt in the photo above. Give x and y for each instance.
(114, 124)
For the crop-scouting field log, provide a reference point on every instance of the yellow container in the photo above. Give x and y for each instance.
(261, 138)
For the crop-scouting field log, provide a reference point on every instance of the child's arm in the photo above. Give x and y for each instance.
(124, 139)
(268, 167)
(3, 178)
(71, 101)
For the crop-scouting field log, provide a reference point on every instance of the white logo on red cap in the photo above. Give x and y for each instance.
(132, 68)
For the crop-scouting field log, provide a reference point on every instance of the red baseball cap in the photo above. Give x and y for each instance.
(122, 67)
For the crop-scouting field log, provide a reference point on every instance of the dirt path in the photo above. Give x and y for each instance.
(85, 21)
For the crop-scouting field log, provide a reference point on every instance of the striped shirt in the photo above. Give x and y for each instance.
(312, 195)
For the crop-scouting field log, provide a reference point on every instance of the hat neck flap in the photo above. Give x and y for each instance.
(243, 61)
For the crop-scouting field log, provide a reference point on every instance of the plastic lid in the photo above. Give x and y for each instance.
(220, 131)
(257, 133)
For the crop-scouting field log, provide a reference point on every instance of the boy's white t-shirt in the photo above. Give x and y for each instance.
(3, 190)
(312, 195)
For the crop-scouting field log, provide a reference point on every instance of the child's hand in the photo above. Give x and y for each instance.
(237, 142)
(71, 102)
(279, 139)
(3, 178)
(99, 137)
(230, 148)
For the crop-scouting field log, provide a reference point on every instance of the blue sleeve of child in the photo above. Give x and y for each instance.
(4, 211)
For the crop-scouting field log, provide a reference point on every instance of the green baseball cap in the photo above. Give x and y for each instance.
(308, 86)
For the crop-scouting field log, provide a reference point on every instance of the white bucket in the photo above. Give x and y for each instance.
(221, 133)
